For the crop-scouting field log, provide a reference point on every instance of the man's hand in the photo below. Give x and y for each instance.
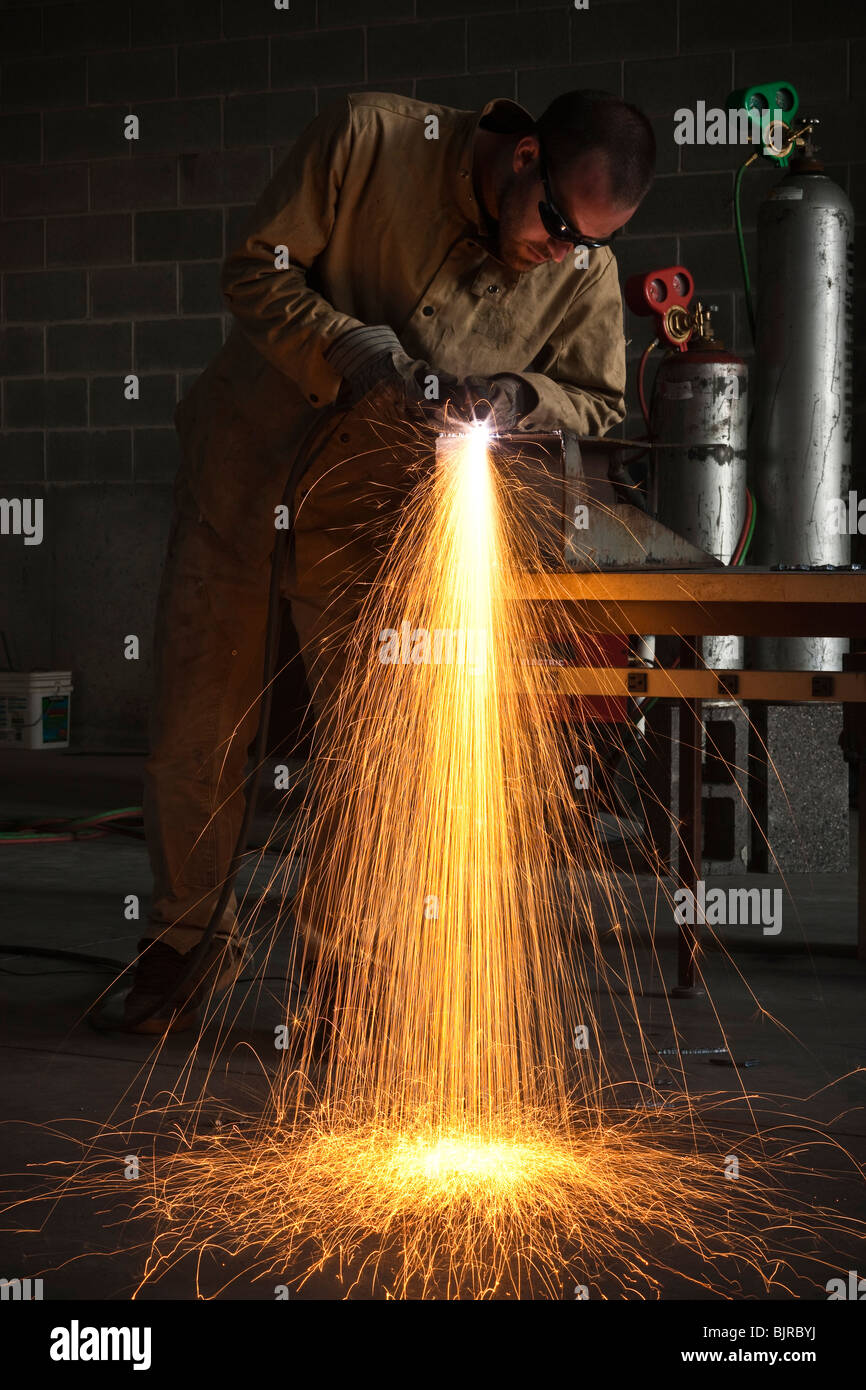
(369, 355)
(499, 401)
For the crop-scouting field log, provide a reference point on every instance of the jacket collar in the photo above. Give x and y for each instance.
(501, 114)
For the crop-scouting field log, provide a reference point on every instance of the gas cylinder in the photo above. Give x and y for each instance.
(699, 418)
(800, 440)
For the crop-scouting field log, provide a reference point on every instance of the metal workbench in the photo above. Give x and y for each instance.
(691, 604)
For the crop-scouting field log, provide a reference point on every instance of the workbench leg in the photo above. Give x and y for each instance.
(656, 804)
(861, 855)
(690, 857)
(757, 788)
(854, 743)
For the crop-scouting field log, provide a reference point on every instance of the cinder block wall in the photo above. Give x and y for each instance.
(110, 249)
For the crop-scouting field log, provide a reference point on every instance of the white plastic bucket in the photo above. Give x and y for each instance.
(35, 708)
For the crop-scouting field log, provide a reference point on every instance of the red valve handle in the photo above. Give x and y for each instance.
(657, 290)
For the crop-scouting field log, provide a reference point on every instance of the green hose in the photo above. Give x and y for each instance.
(741, 242)
(64, 830)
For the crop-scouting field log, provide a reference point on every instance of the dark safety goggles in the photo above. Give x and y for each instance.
(558, 226)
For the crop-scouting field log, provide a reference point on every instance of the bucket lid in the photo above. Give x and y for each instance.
(28, 680)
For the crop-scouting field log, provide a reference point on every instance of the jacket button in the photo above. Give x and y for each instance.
(427, 310)
(493, 289)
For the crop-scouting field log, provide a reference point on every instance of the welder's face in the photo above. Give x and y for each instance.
(580, 193)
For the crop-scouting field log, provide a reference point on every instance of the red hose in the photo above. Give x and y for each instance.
(640, 382)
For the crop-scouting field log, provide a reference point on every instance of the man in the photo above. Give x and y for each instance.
(399, 244)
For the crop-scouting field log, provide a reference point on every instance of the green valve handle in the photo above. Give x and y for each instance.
(771, 108)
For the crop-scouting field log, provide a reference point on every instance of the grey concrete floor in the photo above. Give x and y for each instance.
(792, 1004)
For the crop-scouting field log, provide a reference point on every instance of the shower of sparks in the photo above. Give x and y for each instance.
(448, 1121)
(443, 959)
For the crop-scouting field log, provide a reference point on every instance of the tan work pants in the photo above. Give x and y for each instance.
(209, 653)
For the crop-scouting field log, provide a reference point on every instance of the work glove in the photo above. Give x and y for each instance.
(368, 355)
(499, 401)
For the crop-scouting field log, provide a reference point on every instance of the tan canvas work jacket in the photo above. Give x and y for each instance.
(372, 218)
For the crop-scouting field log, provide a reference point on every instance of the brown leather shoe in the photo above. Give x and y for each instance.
(158, 971)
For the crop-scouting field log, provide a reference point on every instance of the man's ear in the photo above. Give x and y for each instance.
(525, 153)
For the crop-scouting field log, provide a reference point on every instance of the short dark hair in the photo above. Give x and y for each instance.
(590, 122)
